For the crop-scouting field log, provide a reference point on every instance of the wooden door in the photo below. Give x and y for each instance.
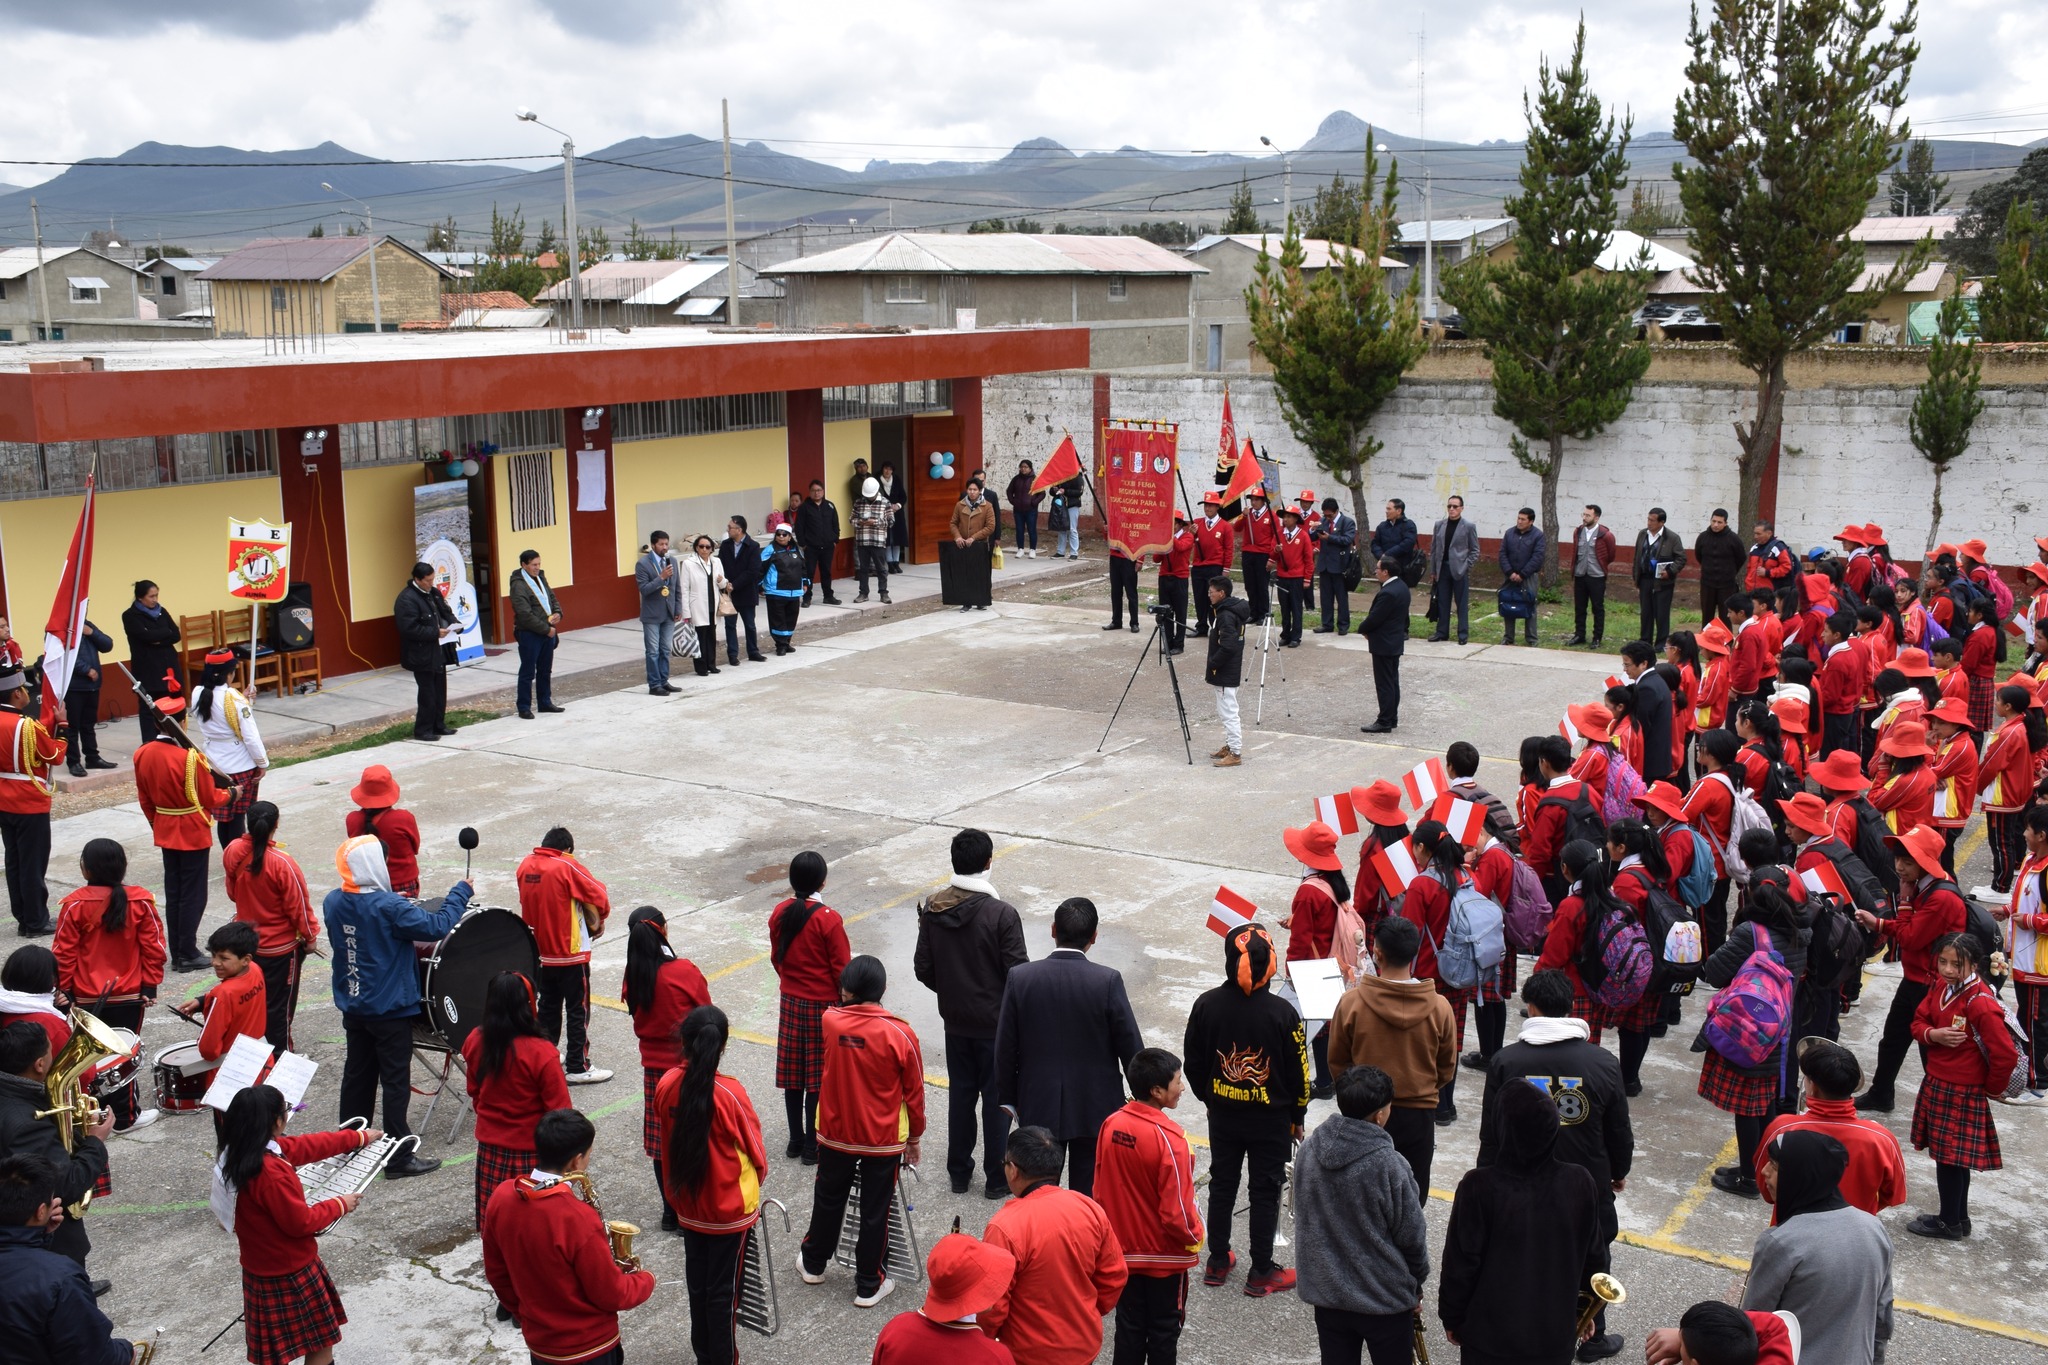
(932, 500)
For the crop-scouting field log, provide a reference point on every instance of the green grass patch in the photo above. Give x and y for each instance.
(390, 734)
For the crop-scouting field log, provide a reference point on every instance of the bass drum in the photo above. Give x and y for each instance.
(456, 975)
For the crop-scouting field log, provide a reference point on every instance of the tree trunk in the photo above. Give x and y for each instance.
(1934, 527)
(1552, 527)
(1762, 441)
(1356, 483)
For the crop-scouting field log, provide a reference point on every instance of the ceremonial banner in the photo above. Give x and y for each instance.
(1426, 782)
(259, 560)
(1064, 466)
(66, 627)
(1395, 867)
(1246, 477)
(1137, 487)
(1337, 812)
(1465, 820)
(1226, 440)
(1229, 910)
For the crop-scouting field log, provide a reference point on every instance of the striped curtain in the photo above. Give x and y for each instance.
(531, 477)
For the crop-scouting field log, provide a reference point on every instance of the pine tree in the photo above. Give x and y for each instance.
(1560, 333)
(2014, 305)
(1790, 119)
(1947, 404)
(1333, 215)
(442, 236)
(1244, 214)
(1338, 342)
(1917, 191)
(545, 242)
(638, 245)
(508, 233)
(319, 230)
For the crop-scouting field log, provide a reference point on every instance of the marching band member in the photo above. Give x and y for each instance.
(290, 1307)
(807, 947)
(110, 952)
(47, 1310)
(659, 992)
(178, 792)
(268, 888)
(26, 752)
(1174, 568)
(712, 1164)
(226, 732)
(566, 908)
(236, 1006)
(25, 1057)
(377, 814)
(1145, 1183)
(514, 1077)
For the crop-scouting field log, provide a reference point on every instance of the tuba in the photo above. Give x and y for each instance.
(1603, 1292)
(91, 1043)
(622, 1234)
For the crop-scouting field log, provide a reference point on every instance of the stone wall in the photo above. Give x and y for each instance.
(1847, 456)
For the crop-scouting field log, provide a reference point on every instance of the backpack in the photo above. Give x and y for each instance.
(2007, 1087)
(1838, 948)
(1748, 1018)
(790, 568)
(1673, 933)
(1349, 943)
(1745, 815)
(1781, 784)
(2000, 593)
(1871, 849)
(1935, 633)
(1864, 888)
(1473, 944)
(1624, 785)
(1581, 820)
(1696, 887)
(1977, 921)
(1528, 912)
(1615, 961)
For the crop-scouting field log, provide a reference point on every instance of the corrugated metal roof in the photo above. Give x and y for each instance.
(311, 259)
(1903, 229)
(502, 317)
(86, 282)
(1315, 252)
(699, 308)
(1622, 248)
(993, 253)
(1925, 280)
(17, 261)
(1452, 229)
(651, 284)
(188, 264)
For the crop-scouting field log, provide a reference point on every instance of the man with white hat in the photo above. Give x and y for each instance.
(871, 516)
(967, 1278)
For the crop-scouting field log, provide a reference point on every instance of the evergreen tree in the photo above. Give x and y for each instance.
(1560, 333)
(441, 236)
(1333, 215)
(1973, 246)
(1650, 210)
(595, 246)
(2014, 305)
(1338, 342)
(319, 230)
(638, 245)
(508, 233)
(545, 242)
(1790, 118)
(1947, 404)
(1243, 215)
(1917, 191)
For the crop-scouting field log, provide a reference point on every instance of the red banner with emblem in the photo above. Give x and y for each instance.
(1137, 478)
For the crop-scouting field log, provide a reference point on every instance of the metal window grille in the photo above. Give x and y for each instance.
(697, 416)
(531, 477)
(406, 441)
(533, 429)
(888, 400)
(30, 470)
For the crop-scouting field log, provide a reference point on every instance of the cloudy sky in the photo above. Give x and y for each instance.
(915, 79)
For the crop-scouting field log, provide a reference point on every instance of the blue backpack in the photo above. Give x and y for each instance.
(1696, 887)
(1474, 941)
(1748, 1018)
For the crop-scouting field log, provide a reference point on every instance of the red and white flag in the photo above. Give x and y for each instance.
(1226, 439)
(1229, 910)
(1822, 880)
(1614, 680)
(1426, 782)
(1336, 812)
(1569, 730)
(67, 613)
(1466, 820)
(1395, 867)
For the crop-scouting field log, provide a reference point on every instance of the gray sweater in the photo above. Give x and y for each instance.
(1361, 1244)
(1834, 1271)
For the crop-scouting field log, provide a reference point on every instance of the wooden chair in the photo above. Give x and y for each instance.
(301, 666)
(266, 670)
(238, 631)
(197, 635)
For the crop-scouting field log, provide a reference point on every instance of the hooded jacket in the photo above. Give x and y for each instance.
(1226, 643)
(967, 942)
(1361, 1245)
(1403, 1027)
(1825, 1262)
(1524, 1239)
(1584, 1080)
(47, 1312)
(78, 1170)
(554, 889)
(373, 928)
(1245, 1050)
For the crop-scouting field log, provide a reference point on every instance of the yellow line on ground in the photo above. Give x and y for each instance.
(1689, 1204)
(1972, 840)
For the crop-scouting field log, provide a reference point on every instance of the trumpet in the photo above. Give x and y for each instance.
(622, 1233)
(1421, 1340)
(1603, 1292)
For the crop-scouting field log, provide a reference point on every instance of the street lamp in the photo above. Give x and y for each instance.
(369, 229)
(568, 213)
(1286, 179)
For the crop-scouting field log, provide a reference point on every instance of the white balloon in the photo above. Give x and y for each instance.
(470, 467)
(938, 458)
(947, 472)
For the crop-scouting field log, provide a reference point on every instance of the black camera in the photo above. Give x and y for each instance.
(1161, 610)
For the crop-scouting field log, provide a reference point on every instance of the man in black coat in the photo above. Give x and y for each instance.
(422, 616)
(740, 555)
(1065, 1034)
(817, 531)
(1556, 1054)
(1660, 559)
(1652, 708)
(1225, 671)
(1395, 537)
(1385, 629)
(1720, 553)
(24, 1064)
(82, 702)
(47, 1311)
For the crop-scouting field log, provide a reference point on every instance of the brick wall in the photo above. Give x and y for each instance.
(408, 288)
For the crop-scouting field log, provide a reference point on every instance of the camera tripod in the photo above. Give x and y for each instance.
(1187, 736)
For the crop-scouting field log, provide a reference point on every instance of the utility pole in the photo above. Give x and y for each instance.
(573, 246)
(35, 217)
(732, 246)
(370, 230)
(1428, 218)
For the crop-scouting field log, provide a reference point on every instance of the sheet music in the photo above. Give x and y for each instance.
(291, 1075)
(244, 1066)
(1319, 985)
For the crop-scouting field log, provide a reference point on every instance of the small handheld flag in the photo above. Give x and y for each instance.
(1395, 867)
(1337, 812)
(1823, 880)
(1229, 910)
(1063, 467)
(1425, 782)
(1465, 820)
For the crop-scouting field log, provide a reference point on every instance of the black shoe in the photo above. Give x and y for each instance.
(1600, 1347)
(860, 598)
(194, 963)
(504, 1313)
(100, 763)
(810, 1154)
(795, 1148)
(1930, 1225)
(1322, 1091)
(1176, 649)
(1198, 634)
(99, 1287)
(713, 670)
(1730, 1180)
(425, 738)
(1596, 642)
(413, 1166)
(995, 1190)
(549, 709)
(1321, 630)
(1446, 1115)
(807, 599)
(1874, 1100)
(1575, 640)
(1658, 1030)
(1134, 627)
(657, 691)
(669, 689)
(1632, 1088)
(831, 601)
(961, 1184)
(757, 659)
(885, 599)
(47, 928)
(1378, 727)
(895, 568)
(1475, 1060)
(668, 1221)
(1114, 625)
(526, 715)
(447, 729)
(75, 769)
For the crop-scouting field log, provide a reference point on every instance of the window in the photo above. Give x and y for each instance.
(904, 289)
(3, 289)
(277, 299)
(148, 283)
(170, 286)
(84, 293)
(1117, 287)
(49, 334)
(6, 334)
(1215, 346)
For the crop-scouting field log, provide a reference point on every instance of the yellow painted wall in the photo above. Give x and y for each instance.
(691, 466)
(551, 541)
(377, 505)
(845, 442)
(177, 536)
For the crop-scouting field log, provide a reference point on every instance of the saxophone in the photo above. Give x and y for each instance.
(622, 1233)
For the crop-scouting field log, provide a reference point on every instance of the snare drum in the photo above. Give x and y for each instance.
(119, 1074)
(182, 1077)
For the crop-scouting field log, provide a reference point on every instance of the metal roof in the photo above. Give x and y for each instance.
(1925, 280)
(1452, 229)
(1903, 229)
(651, 284)
(700, 308)
(1315, 251)
(86, 282)
(993, 253)
(17, 261)
(312, 259)
(189, 264)
(502, 317)
(1622, 248)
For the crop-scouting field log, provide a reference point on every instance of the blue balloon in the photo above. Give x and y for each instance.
(949, 457)
(938, 471)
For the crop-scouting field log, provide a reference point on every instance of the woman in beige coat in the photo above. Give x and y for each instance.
(703, 579)
(964, 561)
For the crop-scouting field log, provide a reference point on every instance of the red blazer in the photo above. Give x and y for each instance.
(1906, 800)
(914, 1339)
(1746, 659)
(872, 1099)
(1259, 533)
(2005, 775)
(92, 961)
(1774, 641)
(729, 1200)
(549, 1258)
(1591, 769)
(177, 793)
(1980, 653)
(526, 1085)
(810, 969)
(399, 833)
(274, 900)
(1311, 921)
(1545, 837)
(1965, 1064)
(1070, 1272)
(1564, 940)
(1711, 696)
(1214, 545)
(273, 1226)
(1924, 917)
(1428, 904)
(1876, 1178)
(1841, 680)
(237, 1006)
(1145, 1183)
(28, 750)
(1180, 552)
(1294, 556)
(552, 887)
(1710, 808)
(678, 988)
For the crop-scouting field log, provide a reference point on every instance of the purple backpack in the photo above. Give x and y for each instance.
(1624, 785)
(1619, 968)
(1748, 1018)
(1527, 912)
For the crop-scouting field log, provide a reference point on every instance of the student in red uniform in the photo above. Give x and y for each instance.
(659, 991)
(1710, 809)
(1543, 834)
(235, 1008)
(1070, 1270)
(1440, 861)
(1764, 611)
(26, 752)
(377, 814)
(513, 1076)
(1980, 660)
(1311, 922)
(1763, 743)
(566, 906)
(1791, 714)
(1962, 1027)
(1493, 876)
(1906, 796)
(1173, 579)
(807, 947)
(870, 1120)
(1840, 685)
(1305, 501)
(1258, 532)
(712, 1164)
(1682, 652)
(1663, 807)
(1774, 917)
(1876, 1176)
(1145, 1183)
(1955, 773)
(268, 888)
(1711, 697)
(177, 793)
(2025, 941)
(110, 952)
(2005, 781)
(1596, 724)
(1215, 548)
(967, 1278)
(1930, 908)
(549, 1255)
(1716, 1333)
(1947, 658)
(1746, 652)
(1635, 863)
(1383, 824)
(290, 1307)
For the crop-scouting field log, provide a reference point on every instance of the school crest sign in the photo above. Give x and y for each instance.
(259, 560)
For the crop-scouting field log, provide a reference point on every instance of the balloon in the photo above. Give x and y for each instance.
(948, 457)
(470, 468)
(948, 472)
(454, 468)
(937, 471)
(938, 458)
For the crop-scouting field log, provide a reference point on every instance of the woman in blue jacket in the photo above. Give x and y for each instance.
(783, 582)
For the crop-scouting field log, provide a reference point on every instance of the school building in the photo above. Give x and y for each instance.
(582, 447)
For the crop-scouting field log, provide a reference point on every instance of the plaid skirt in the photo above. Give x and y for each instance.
(800, 1044)
(1952, 1124)
(1460, 1000)
(1510, 976)
(241, 794)
(1636, 1018)
(1983, 693)
(285, 1317)
(494, 1166)
(650, 1123)
(1722, 1086)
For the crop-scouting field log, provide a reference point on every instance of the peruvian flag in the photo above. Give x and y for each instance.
(1823, 880)
(1063, 467)
(1395, 867)
(1246, 477)
(1336, 812)
(1229, 910)
(1466, 820)
(1426, 782)
(1567, 729)
(1614, 681)
(1226, 439)
(67, 614)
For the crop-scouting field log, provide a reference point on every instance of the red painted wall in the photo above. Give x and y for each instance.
(600, 592)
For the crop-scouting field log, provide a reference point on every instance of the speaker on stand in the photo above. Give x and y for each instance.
(291, 620)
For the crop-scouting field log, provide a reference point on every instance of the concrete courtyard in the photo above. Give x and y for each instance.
(873, 746)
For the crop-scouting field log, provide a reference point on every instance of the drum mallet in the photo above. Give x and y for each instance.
(467, 838)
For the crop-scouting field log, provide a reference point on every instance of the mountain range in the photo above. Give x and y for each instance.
(218, 197)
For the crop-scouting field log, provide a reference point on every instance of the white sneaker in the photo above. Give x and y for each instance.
(142, 1120)
(2024, 1097)
(803, 1272)
(596, 1075)
(1990, 895)
(882, 1291)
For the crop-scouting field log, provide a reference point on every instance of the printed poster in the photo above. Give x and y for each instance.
(1137, 481)
(440, 522)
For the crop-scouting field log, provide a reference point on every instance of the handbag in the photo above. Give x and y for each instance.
(683, 640)
(996, 558)
(725, 606)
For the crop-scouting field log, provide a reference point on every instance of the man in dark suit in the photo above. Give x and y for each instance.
(1652, 710)
(423, 619)
(740, 554)
(1386, 635)
(1081, 1033)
